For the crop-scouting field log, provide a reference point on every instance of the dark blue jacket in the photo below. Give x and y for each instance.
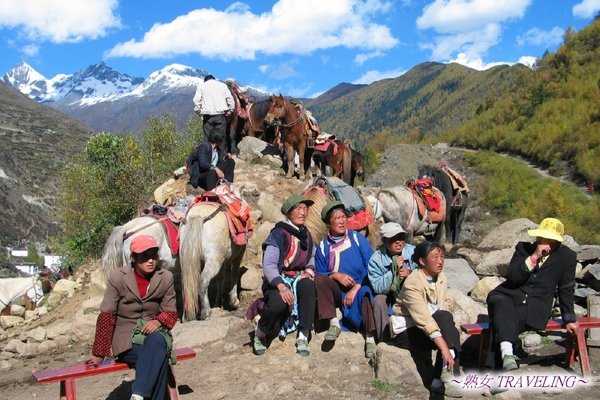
(199, 161)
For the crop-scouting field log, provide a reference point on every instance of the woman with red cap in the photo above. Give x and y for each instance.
(136, 316)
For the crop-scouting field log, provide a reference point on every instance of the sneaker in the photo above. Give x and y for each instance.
(451, 389)
(370, 350)
(332, 333)
(509, 363)
(302, 347)
(136, 397)
(259, 346)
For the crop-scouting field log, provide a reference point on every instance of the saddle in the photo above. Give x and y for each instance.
(168, 222)
(428, 199)
(241, 225)
(459, 185)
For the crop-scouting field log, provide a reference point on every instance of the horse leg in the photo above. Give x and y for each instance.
(234, 274)
(301, 166)
(459, 220)
(212, 265)
(289, 151)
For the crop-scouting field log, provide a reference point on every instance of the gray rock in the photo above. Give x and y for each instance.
(532, 341)
(464, 309)
(508, 234)
(30, 350)
(584, 292)
(36, 335)
(6, 355)
(571, 243)
(594, 270)
(47, 346)
(495, 263)
(251, 279)
(17, 310)
(5, 365)
(66, 286)
(58, 329)
(14, 346)
(473, 256)
(7, 321)
(269, 207)
(251, 148)
(54, 299)
(484, 287)
(98, 281)
(460, 275)
(196, 333)
(92, 305)
(394, 365)
(588, 253)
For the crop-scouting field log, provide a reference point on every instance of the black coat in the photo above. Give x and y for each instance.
(200, 161)
(538, 286)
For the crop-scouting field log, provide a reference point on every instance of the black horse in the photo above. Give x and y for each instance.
(456, 200)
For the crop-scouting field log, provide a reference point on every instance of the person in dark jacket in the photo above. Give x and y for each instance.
(524, 301)
(289, 279)
(207, 165)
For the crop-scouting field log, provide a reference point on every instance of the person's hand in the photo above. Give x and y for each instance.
(227, 155)
(542, 250)
(448, 359)
(349, 299)
(572, 327)
(286, 294)
(403, 272)
(343, 279)
(219, 173)
(308, 274)
(150, 327)
(93, 361)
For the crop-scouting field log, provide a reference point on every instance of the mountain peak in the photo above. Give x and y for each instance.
(26, 80)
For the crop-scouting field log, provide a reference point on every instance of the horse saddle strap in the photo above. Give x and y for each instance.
(214, 213)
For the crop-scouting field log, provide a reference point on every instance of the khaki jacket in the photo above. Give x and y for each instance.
(122, 298)
(413, 301)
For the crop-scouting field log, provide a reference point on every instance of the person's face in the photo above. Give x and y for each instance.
(395, 245)
(552, 244)
(434, 263)
(146, 262)
(298, 214)
(338, 222)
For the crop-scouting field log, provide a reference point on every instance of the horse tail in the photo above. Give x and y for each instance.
(112, 255)
(346, 164)
(190, 255)
(313, 223)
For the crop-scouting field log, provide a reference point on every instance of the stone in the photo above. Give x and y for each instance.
(394, 364)
(532, 341)
(495, 263)
(47, 346)
(30, 350)
(36, 335)
(5, 365)
(212, 329)
(460, 275)
(8, 321)
(54, 299)
(31, 315)
(269, 207)
(588, 253)
(249, 189)
(58, 329)
(508, 234)
(256, 215)
(42, 310)
(17, 310)
(66, 286)
(14, 346)
(98, 280)
(251, 279)
(473, 256)
(251, 148)
(464, 309)
(92, 305)
(484, 287)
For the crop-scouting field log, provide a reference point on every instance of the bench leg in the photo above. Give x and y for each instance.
(484, 345)
(173, 393)
(67, 390)
(577, 346)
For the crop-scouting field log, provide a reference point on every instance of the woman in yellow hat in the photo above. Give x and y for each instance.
(524, 301)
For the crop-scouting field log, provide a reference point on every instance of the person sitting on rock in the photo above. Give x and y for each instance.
(524, 301)
(388, 268)
(421, 322)
(207, 165)
(136, 316)
(288, 286)
(342, 281)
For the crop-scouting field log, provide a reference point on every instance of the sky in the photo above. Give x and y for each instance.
(299, 48)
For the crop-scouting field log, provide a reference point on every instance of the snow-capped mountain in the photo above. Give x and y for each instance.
(106, 99)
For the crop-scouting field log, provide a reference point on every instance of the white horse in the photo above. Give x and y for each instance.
(206, 247)
(397, 204)
(12, 289)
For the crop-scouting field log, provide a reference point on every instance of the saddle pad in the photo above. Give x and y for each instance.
(346, 194)
(429, 215)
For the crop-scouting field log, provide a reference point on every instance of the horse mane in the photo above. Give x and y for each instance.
(316, 227)
(260, 108)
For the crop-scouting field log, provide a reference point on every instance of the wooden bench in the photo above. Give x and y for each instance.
(576, 344)
(67, 376)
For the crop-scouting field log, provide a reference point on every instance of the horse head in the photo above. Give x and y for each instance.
(277, 111)
(358, 164)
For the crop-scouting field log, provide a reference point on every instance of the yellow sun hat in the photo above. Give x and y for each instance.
(550, 228)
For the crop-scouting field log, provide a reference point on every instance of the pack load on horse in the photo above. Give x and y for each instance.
(345, 162)
(456, 191)
(213, 238)
(26, 292)
(404, 206)
(324, 189)
(428, 199)
(290, 122)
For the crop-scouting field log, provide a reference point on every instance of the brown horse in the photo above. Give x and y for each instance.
(290, 123)
(345, 162)
(358, 166)
(253, 125)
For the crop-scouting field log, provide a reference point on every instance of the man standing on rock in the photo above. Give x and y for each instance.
(524, 301)
(214, 103)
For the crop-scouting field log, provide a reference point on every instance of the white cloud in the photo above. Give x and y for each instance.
(538, 37)
(31, 50)
(362, 57)
(586, 9)
(528, 60)
(59, 21)
(264, 68)
(470, 27)
(290, 27)
(374, 75)
(478, 64)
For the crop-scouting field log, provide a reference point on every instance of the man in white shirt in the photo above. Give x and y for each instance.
(214, 103)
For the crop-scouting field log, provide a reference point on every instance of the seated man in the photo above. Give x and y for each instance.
(207, 165)
(524, 301)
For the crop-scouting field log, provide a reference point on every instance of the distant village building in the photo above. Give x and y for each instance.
(53, 262)
(18, 252)
(29, 269)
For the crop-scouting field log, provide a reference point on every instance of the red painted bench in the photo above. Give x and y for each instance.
(67, 376)
(576, 344)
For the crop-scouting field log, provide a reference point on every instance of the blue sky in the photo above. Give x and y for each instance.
(296, 47)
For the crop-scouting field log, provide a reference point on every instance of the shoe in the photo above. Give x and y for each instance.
(259, 346)
(370, 350)
(332, 333)
(509, 363)
(451, 389)
(302, 347)
(136, 397)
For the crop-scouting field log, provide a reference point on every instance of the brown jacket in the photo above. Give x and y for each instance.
(412, 300)
(122, 299)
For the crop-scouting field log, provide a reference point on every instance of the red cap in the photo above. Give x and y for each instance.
(141, 243)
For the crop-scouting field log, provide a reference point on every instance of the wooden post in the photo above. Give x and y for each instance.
(593, 306)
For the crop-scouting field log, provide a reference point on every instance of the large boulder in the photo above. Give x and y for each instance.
(495, 263)
(463, 308)
(251, 148)
(394, 365)
(460, 275)
(484, 287)
(66, 286)
(269, 207)
(508, 234)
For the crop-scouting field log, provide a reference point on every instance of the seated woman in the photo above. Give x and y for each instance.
(288, 286)
(388, 268)
(136, 316)
(207, 164)
(342, 281)
(421, 321)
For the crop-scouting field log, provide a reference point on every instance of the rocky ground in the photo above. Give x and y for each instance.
(225, 367)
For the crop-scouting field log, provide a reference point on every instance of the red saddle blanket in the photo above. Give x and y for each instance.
(171, 229)
(427, 212)
(235, 208)
(327, 146)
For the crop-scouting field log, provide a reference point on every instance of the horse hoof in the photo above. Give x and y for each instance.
(288, 176)
(235, 304)
(204, 316)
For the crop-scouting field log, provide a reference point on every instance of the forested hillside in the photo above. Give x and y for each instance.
(552, 116)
